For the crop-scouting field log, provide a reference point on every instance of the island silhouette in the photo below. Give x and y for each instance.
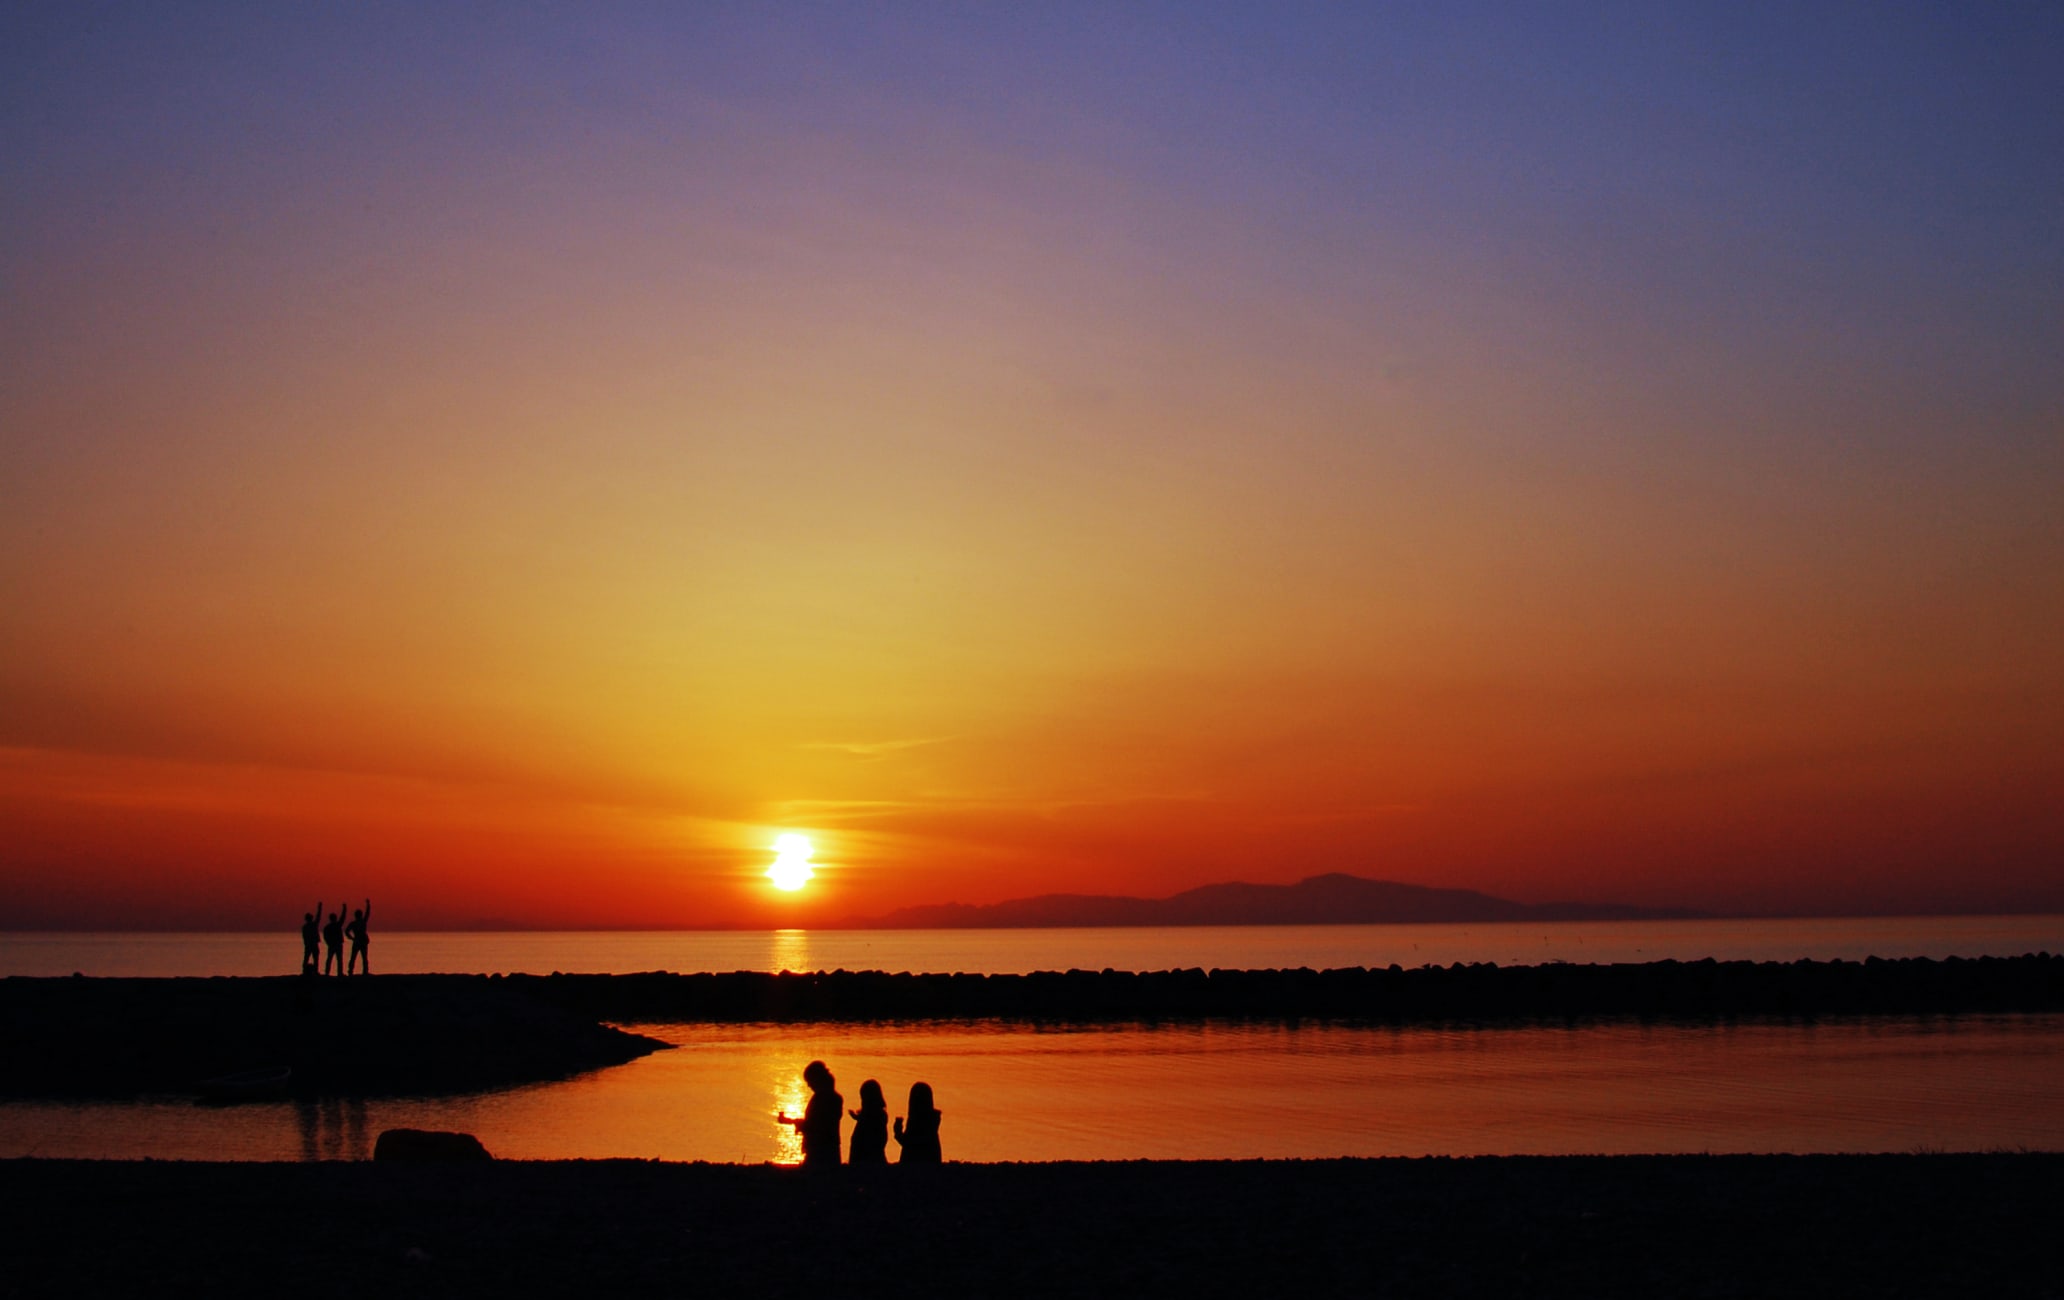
(1334, 898)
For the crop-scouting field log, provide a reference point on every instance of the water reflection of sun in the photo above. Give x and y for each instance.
(789, 950)
(791, 1097)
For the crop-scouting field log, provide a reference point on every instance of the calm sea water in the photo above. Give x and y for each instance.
(1019, 951)
(1202, 1091)
(1022, 1092)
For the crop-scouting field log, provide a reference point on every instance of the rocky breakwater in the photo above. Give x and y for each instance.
(1481, 992)
(368, 1036)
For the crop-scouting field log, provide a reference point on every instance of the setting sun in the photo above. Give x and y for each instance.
(791, 866)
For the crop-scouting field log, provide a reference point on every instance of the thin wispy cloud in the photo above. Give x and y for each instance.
(873, 748)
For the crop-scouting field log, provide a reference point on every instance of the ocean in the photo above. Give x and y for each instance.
(995, 952)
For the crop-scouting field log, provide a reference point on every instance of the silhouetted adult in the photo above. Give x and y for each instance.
(870, 1127)
(311, 933)
(333, 941)
(920, 1137)
(356, 932)
(819, 1122)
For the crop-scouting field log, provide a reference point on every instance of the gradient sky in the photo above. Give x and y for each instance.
(515, 460)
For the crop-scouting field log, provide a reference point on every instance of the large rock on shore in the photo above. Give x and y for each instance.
(421, 1146)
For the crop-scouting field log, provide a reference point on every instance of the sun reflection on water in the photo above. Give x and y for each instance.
(791, 1097)
(789, 950)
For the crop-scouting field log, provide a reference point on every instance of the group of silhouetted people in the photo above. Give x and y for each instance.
(332, 934)
(917, 1133)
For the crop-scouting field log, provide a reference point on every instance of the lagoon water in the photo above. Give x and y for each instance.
(1170, 1091)
(1018, 1092)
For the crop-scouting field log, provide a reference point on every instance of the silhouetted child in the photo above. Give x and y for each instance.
(356, 932)
(920, 1137)
(311, 933)
(819, 1122)
(870, 1127)
(333, 941)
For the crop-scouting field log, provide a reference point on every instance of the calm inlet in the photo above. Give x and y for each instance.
(1970, 1083)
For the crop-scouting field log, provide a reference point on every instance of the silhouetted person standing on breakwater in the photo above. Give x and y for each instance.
(870, 1127)
(356, 931)
(920, 1137)
(311, 932)
(333, 941)
(819, 1122)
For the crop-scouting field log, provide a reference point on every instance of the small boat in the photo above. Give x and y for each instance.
(247, 1085)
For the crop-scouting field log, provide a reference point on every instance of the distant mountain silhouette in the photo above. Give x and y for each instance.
(1332, 899)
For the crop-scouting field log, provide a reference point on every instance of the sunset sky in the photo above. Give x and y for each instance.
(516, 461)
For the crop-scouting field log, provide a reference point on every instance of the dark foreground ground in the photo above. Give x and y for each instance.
(1698, 1226)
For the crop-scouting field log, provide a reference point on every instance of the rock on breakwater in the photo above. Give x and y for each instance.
(1484, 992)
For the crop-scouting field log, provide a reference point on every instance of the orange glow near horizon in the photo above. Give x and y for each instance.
(519, 499)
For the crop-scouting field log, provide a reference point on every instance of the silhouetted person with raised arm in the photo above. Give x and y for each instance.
(311, 934)
(819, 1122)
(356, 932)
(333, 941)
(919, 1138)
(870, 1127)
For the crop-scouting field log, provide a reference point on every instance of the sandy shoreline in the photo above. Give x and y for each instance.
(1516, 1226)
